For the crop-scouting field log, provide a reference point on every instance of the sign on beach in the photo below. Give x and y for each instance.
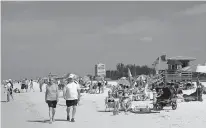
(100, 70)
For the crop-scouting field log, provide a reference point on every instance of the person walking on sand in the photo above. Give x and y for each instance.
(26, 84)
(51, 98)
(9, 89)
(71, 94)
(41, 82)
(31, 85)
(99, 84)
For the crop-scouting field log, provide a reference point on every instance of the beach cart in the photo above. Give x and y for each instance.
(166, 99)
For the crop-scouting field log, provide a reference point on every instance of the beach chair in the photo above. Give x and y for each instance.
(108, 105)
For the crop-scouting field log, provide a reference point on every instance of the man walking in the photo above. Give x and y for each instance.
(41, 82)
(31, 85)
(71, 94)
(9, 90)
(27, 84)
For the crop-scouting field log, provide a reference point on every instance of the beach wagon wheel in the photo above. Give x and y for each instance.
(159, 107)
(154, 106)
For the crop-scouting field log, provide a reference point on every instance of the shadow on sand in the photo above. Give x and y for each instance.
(44, 121)
(4, 101)
(104, 111)
(138, 112)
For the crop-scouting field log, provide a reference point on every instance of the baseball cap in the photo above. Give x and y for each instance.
(71, 76)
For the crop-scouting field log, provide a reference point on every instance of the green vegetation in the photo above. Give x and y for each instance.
(122, 71)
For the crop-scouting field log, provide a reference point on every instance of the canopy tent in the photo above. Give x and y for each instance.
(199, 68)
(86, 79)
(142, 77)
(123, 81)
(99, 78)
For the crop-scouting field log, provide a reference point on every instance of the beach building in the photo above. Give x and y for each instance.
(173, 69)
(176, 66)
(100, 70)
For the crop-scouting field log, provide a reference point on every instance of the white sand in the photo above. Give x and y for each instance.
(29, 110)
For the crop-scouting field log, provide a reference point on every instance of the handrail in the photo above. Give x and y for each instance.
(171, 75)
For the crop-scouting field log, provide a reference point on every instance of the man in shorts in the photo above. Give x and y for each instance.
(99, 84)
(41, 82)
(26, 84)
(23, 85)
(71, 94)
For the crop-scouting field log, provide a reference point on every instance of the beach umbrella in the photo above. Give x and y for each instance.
(123, 78)
(123, 81)
(141, 78)
(86, 79)
(199, 68)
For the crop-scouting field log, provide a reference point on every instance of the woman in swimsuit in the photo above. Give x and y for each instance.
(110, 99)
(126, 102)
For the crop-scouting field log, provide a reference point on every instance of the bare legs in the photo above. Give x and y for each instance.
(8, 96)
(73, 112)
(31, 88)
(12, 96)
(51, 114)
(116, 106)
(40, 87)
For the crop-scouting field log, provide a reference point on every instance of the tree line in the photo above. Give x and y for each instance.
(122, 71)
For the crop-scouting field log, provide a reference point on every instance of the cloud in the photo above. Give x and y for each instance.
(196, 10)
(143, 28)
(29, 28)
(146, 39)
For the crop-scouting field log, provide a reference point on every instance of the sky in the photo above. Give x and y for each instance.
(61, 37)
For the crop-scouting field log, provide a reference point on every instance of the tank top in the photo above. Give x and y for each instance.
(52, 92)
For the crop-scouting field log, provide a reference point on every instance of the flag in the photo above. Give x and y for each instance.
(159, 59)
(129, 73)
(163, 58)
(156, 62)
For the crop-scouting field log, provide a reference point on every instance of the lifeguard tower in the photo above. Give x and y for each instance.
(174, 70)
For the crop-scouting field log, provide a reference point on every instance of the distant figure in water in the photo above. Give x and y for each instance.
(51, 98)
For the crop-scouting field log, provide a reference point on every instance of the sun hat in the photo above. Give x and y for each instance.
(71, 76)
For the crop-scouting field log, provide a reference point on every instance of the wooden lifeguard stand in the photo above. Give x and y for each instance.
(175, 72)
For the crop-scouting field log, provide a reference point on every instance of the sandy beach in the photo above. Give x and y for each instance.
(30, 110)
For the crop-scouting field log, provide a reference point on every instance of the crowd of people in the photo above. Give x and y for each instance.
(120, 97)
(71, 93)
